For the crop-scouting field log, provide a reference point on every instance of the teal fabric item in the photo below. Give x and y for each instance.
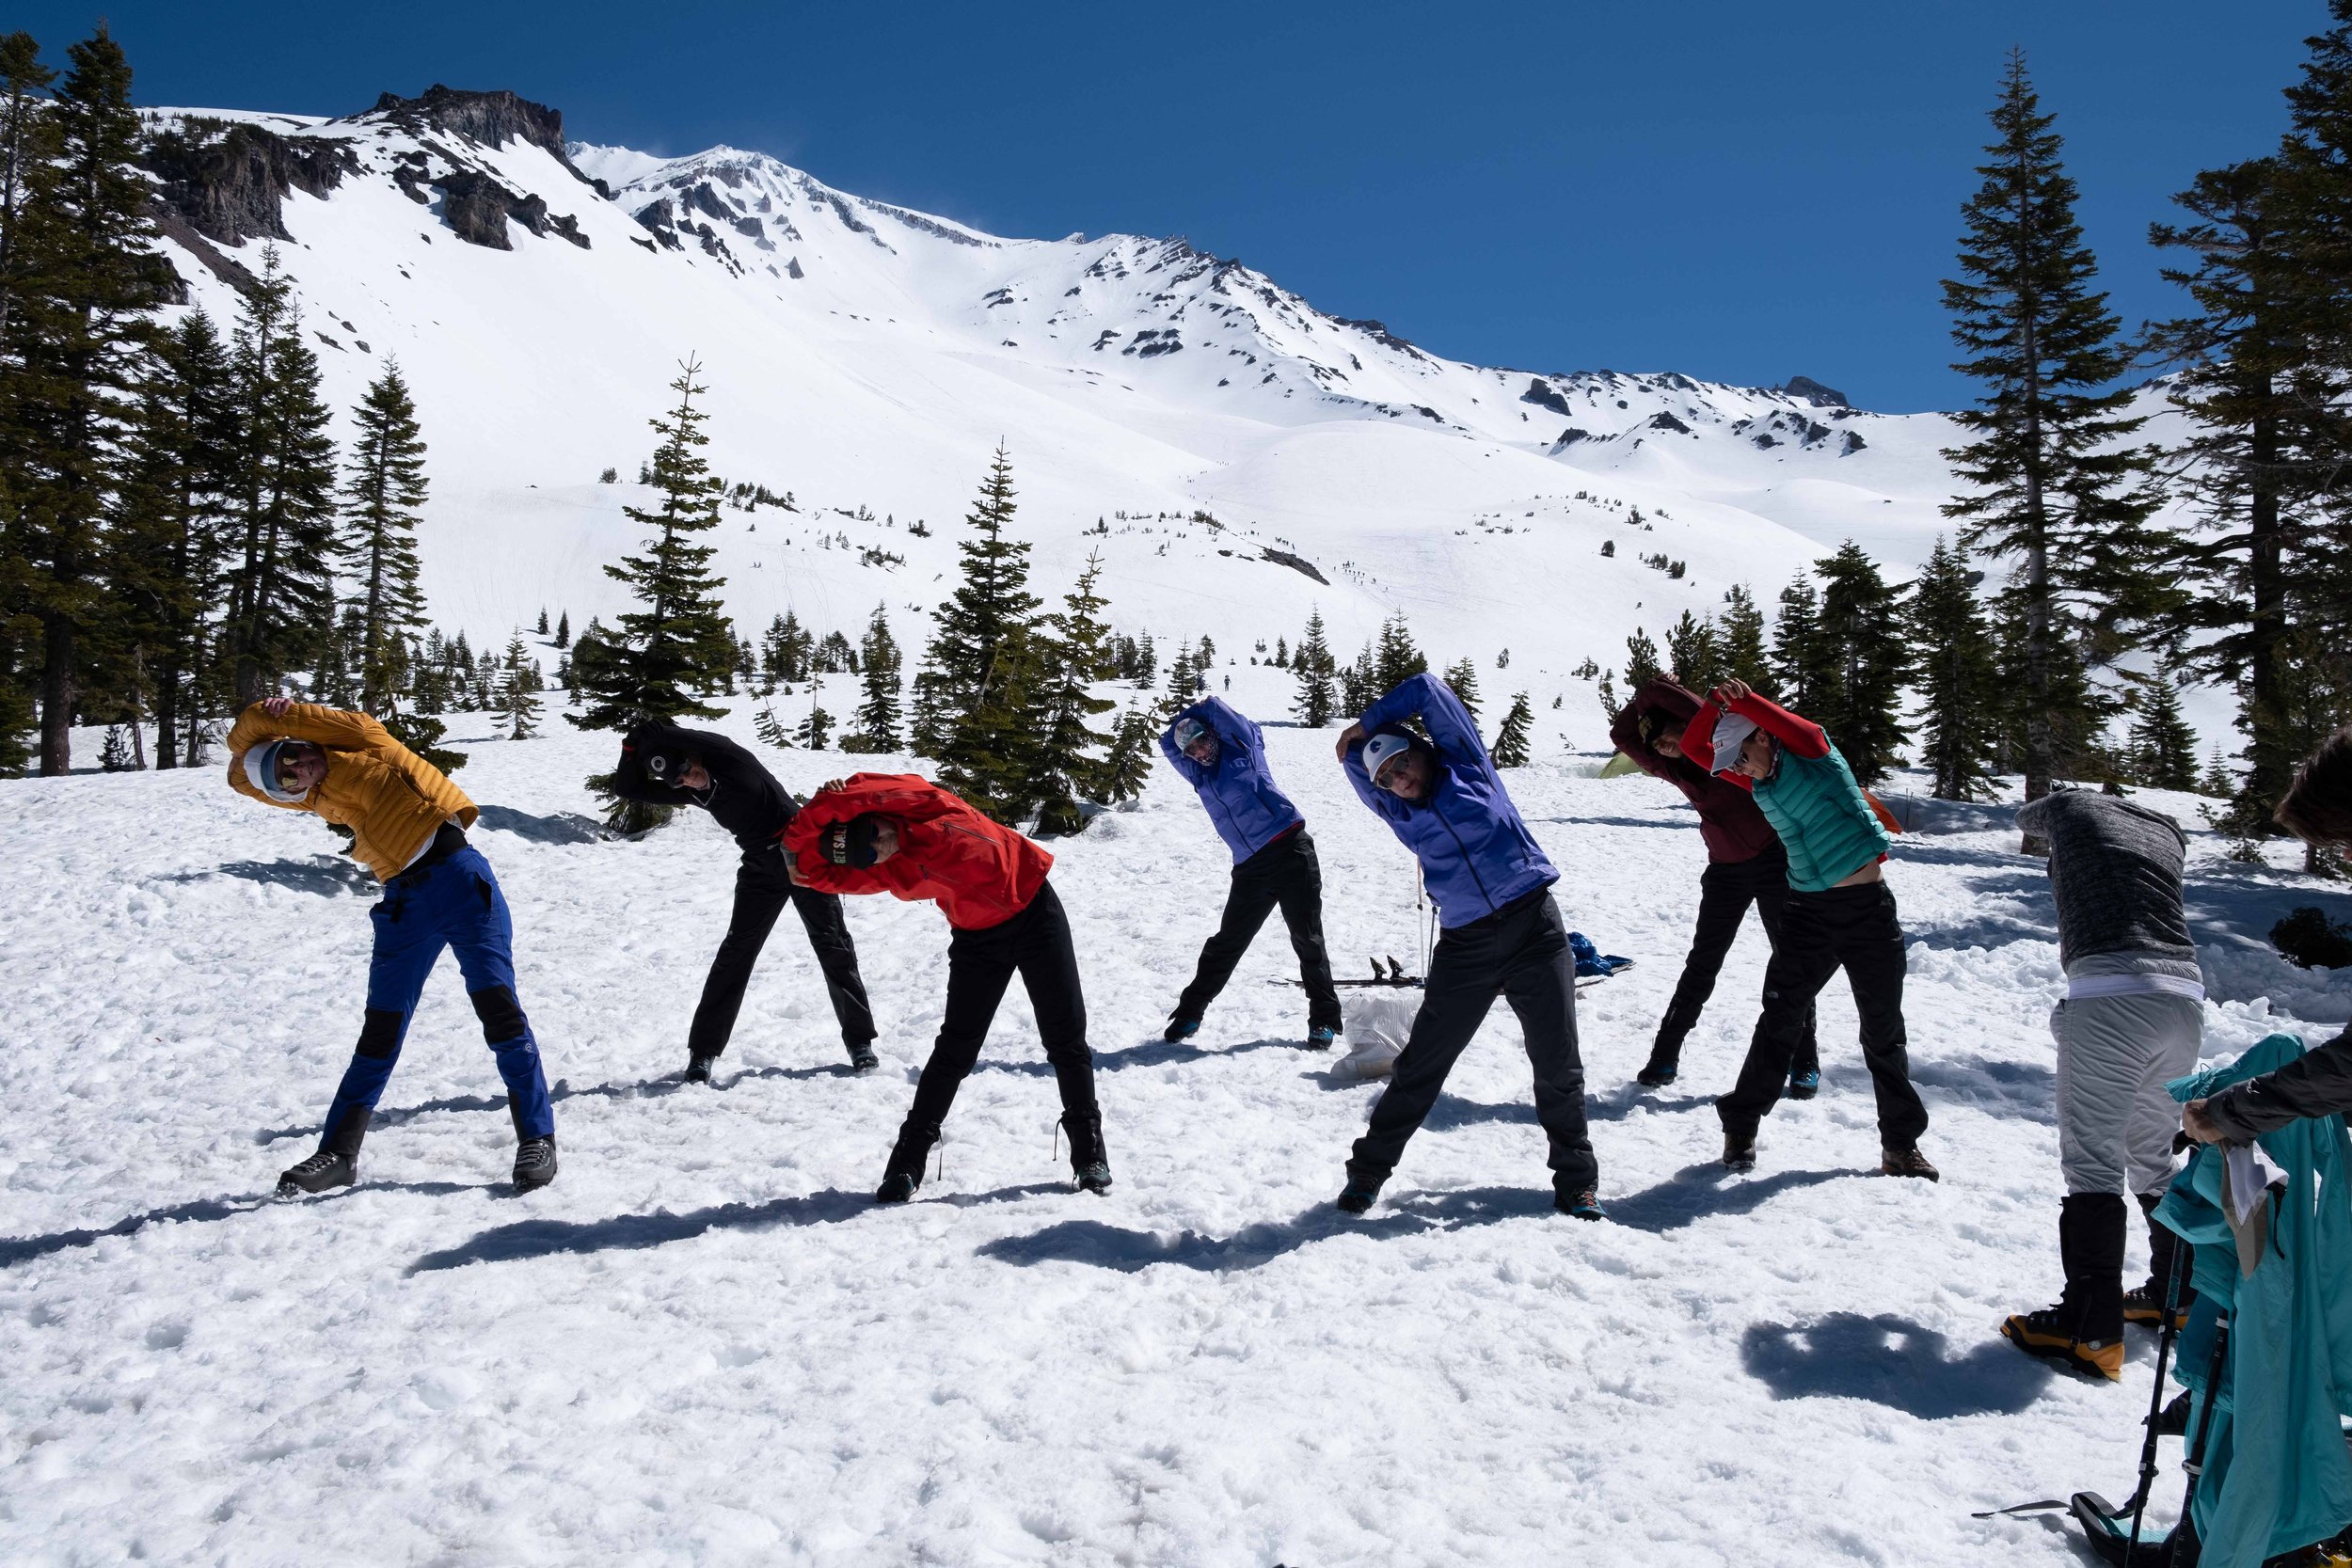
(1817, 809)
(2277, 1476)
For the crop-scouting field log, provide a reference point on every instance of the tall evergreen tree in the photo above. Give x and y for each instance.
(28, 157)
(678, 646)
(283, 515)
(2057, 487)
(1075, 653)
(27, 148)
(1799, 672)
(519, 686)
(383, 489)
(1640, 662)
(1312, 666)
(1134, 744)
(1862, 635)
(1741, 640)
(85, 281)
(1396, 658)
(878, 713)
(1952, 658)
(1510, 749)
(982, 663)
(2164, 747)
(1463, 677)
(1695, 651)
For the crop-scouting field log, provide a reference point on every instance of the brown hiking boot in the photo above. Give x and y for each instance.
(1907, 1162)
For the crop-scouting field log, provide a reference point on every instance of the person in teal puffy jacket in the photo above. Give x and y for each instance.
(1840, 914)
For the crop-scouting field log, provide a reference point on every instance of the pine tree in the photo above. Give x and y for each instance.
(816, 731)
(28, 160)
(280, 595)
(1798, 672)
(1463, 677)
(519, 686)
(2057, 487)
(1641, 664)
(1282, 653)
(383, 489)
(769, 728)
(542, 629)
(1396, 660)
(83, 278)
(1741, 640)
(563, 630)
(1070, 762)
(1510, 749)
(1862, 633)
(678, 646)
(1134, 743)
(2164, 747)
(1952, 656)
(878, 713)
(1314, 666)
(982, 664)
(1696, 650)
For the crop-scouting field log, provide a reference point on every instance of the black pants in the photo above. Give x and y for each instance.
(980, 964)
(1726, 888)
(1284, 873)
(1521, 954)
(1855, 928)
(760, 895)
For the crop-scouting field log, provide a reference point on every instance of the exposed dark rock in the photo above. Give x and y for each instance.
(1815, 434)
(491, 118)
(1814, 392)
(229, 181)
(792, 268)
(1571, 436)
(1764, 440)
(1544, 395)
(1853, 443)
(1296, 562)
(1378, 332)
(1664, 421)
(476, 208)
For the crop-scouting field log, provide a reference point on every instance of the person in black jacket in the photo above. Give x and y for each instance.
(662, 764)
(2318, 809)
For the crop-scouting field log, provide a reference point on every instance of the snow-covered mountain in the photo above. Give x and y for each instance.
(539, 292)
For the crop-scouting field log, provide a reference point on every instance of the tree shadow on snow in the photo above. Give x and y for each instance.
(564, 827)
(329, 876)
(1706, 1190)
(1891, 1361)
(529, 1239)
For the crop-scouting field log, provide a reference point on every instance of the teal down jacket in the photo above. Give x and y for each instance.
(1817, 809)
(2277, 1476)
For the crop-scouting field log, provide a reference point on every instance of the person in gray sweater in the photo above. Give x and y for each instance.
(2133, 1018)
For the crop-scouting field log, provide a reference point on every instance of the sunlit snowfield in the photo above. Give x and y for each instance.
(703, 1344)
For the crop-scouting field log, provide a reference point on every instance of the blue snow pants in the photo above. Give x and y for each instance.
(453, 903)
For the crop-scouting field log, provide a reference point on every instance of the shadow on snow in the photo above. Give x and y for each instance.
(23, 1249)
(1891, 1361)
(329, 876)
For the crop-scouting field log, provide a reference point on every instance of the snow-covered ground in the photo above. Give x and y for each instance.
(703, 1344)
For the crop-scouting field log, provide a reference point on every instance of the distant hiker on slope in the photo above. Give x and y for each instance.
(1746, 864)
(901, 834)
(1222, 755)
(1501, 934)
(409, 824)
(662, 764)
(1840, 913)
(2318, 809)
(2133, 1020)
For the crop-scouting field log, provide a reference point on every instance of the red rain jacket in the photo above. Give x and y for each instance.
(980, 874)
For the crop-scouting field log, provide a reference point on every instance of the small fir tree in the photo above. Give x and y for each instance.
(1741, 638)
(1073, 650)
(769, 728)
(1463, 677)
(1695, 651)
(878, 716)
(384, 487)
(1314, 668)
(1510, 749)
(2162, 746)
(1952, 657)
(1862, 638)
(981, 663)
(520, 684)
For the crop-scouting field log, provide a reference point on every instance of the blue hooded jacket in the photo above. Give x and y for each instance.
(1476, 854)
(1239, 795)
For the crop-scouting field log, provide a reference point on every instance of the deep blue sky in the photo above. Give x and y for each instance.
(1740, 192)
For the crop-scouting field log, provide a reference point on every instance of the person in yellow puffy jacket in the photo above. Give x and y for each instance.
(409, 824)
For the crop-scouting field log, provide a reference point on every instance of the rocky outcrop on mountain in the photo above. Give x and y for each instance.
(1814, 392)
(229, 181)
(1544, 395)
(490, 119)
(476, 208)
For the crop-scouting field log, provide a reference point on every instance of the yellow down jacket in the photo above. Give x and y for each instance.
(391, 798)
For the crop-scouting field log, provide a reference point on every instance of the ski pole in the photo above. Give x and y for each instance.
(2155, 1401)
(2195, 1463)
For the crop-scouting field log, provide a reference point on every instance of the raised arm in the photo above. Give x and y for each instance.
(322, 726)
(1451, 728)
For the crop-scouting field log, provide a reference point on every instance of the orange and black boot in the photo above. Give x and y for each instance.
(2083, 1332)
(2144, 1304)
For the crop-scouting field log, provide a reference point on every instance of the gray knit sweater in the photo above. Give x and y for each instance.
(2115, 870)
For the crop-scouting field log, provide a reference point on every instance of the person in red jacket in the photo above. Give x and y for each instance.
(1746, 864)
(901, 834)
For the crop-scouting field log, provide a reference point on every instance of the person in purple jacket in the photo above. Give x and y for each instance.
(1500, 934)
(1222, 755)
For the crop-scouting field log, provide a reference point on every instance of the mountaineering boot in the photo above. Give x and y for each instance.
(534, 1164)
(698, 1068)
(2172, 1420)
(328, 1167)
(2144, 1304)
(1321, 1036)
(862, 1058)
(2083, 1332)
(1583, 1205)
(1362, 1187)
(1657, 1074)
(1739, 1151)
(1907, 1161)
(1089, 1164)
(904, 1173)
(1804, 1085)
(1180, 1028)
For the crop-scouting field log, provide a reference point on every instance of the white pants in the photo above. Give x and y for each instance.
(2114, 1055)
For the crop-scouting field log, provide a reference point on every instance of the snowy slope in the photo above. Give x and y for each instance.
(703, 1345)
(867, 357)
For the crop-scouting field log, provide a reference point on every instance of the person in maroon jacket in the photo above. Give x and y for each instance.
(900, 834)
(1746, 864)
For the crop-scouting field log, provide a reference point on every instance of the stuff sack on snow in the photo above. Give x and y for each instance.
(1591, 959)
(1377, 1028)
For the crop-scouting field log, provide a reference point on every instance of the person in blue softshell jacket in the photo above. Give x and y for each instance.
(1222, 755)
(1501, 934)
